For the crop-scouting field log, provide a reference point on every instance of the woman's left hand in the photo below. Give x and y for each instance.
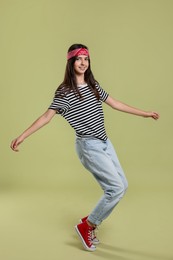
(152, 114)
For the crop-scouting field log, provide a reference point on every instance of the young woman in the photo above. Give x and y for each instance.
(79, 100)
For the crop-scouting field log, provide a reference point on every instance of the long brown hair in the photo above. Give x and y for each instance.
(69, 83)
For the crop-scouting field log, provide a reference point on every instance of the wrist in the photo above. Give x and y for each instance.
(22, 137)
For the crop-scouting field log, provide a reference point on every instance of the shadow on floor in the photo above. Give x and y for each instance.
(112, 252)
(134, 254)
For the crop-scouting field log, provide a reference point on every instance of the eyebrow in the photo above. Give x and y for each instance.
(86, 57)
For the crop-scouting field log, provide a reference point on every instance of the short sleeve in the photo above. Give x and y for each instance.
(60, 104)
(103, 94)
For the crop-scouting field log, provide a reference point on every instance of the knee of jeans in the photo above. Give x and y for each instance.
(115, 191)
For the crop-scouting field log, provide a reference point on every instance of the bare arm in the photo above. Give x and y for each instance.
(40, 122)
(118, 105)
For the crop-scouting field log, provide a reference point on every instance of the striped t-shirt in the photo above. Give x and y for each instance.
(84, 115)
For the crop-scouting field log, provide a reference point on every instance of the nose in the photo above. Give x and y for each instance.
(82, 61)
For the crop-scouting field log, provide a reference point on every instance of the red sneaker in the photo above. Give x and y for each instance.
(85, 234)
(94, 238)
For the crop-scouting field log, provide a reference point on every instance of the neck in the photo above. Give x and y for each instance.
(80, 79)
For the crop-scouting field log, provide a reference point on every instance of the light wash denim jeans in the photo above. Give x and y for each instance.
(99, 157)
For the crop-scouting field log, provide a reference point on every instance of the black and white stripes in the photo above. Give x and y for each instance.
(84, 115)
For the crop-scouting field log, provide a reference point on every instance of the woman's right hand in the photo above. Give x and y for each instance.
(40, 122)
(15, 143)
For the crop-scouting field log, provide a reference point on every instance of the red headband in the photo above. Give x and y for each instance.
(77, 52)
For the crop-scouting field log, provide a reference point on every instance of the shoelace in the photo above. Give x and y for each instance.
(94, 232)
(90, 232)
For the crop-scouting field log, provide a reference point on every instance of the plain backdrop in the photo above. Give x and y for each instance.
(44, 190)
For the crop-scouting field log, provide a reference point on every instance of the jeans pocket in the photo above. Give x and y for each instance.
(94, 144)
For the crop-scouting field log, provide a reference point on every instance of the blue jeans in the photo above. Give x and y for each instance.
(99, 157)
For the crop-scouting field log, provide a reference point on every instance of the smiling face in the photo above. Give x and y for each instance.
(81, 64)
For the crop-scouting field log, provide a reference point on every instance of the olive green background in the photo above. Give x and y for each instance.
(44, 190)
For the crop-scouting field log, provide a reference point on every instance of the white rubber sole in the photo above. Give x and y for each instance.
(95, 241)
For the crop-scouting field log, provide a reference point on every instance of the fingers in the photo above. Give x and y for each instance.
(14, 145)
(155, 115)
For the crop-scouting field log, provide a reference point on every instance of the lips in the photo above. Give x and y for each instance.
(82, 68)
